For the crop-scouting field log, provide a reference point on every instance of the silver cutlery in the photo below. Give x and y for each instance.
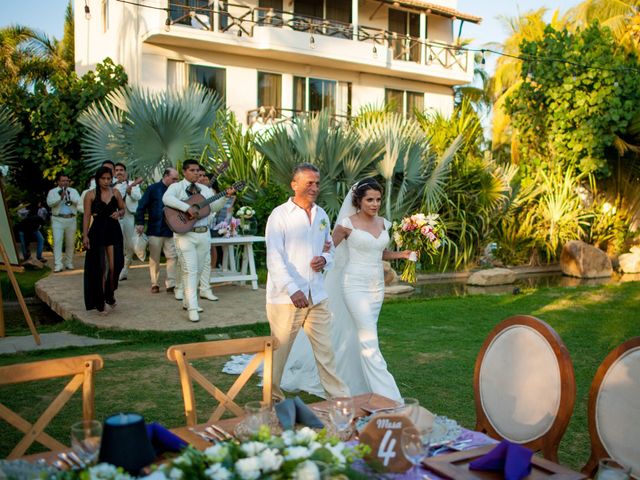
(225, 435)
(67, 461)
(204, 436)
(74, 457)
(373, 411)
(60, 465)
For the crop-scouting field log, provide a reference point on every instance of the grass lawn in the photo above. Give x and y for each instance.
(430, 346)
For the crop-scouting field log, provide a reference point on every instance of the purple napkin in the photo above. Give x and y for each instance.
(512, 459)
(292, 411)
(163, 440)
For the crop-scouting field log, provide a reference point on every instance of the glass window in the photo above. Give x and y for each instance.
(270, 12)
(405, 24)
(269, 90)
(395, 100)
(180, 10)
(316, 94)
(211, 77)
(403, 102)
(415, 103)
(299, 94)
(105, 15)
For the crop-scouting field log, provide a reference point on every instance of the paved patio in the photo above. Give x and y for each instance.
(139, 309)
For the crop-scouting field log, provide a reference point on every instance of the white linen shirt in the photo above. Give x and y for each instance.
(292, 241)
(56, 204)
(176, 195)
(130, 201)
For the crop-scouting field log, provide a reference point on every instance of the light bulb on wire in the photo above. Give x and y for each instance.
(312, 42)
(87, 11)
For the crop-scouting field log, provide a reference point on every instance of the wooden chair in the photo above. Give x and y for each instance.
(82, 369)
(524, 385)
(183, 354)
(614, 409)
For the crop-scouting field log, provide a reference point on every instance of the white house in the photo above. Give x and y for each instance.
(272, 59)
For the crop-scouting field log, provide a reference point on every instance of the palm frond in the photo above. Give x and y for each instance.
(9, 129)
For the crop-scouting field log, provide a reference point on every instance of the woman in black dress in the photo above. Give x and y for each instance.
(102, 237)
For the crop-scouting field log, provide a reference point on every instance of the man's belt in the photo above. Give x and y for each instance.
(64, 215)
(200, 229)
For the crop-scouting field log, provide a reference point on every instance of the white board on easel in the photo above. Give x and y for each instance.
(9, 262)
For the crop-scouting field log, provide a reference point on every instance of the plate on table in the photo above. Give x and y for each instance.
(445, 430)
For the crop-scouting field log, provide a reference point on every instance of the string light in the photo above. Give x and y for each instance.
(87, 11)
(167, 22)
(375, 51)
(312, 42)
(483, 61)
(239, 33)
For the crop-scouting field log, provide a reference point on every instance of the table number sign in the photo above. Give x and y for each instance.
(383, 434)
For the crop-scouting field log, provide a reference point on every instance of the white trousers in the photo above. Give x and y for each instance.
(205, 277)
(127, 224)
(64, 232)
(193, 253)
(168, 246)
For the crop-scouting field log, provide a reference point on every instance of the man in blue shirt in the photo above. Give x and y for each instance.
(159, 235)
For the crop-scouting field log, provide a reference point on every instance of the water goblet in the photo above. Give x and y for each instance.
(409, 408)
(609, 469)
(413, 448)
(341, 413)
(85, 440)
(257, 414)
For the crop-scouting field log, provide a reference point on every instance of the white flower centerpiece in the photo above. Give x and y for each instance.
(298, 455)
(246, 215)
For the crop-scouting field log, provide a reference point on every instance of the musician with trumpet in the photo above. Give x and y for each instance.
(63, 201)
(130, 192)
(192, 245)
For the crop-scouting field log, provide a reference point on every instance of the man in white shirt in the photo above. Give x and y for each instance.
(296, 234)
(63, 201)
(192, 247)
(130, 192)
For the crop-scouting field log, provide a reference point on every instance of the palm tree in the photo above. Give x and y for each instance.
(621, 16)
(9, 129)
(149, 130)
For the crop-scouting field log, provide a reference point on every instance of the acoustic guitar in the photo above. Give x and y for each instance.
(179, 221)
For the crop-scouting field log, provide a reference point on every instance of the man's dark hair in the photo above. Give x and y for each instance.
(108, 162)
(167, 172)
(59, 175)
(187, 163)
(120, 164)
(309, 167)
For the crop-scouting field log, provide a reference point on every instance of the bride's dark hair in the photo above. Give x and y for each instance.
(362, 187)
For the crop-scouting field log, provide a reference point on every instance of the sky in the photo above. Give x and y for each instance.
(48, 16)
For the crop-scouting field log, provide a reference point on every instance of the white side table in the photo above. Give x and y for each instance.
(229, 271)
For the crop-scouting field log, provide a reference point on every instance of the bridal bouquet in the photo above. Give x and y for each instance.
(419, 232)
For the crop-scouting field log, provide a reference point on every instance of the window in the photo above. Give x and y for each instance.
(270, 13)
(211, 77)
(105, 15)
(269, 90)
(405, 24)
(337, 10)
(180, 9)
(403, 102)
(314, 94)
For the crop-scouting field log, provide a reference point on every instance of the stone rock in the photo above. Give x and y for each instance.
(579, 259)
(398, 289)
(492, 276)
(630, 262)
(390, 275)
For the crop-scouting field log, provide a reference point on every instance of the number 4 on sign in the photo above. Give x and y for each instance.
(387, 449)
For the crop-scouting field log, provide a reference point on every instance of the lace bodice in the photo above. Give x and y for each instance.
(363, 247)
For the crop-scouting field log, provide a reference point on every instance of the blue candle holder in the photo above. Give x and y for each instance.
(125, 442)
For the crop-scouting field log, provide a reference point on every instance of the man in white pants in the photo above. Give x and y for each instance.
(193, 247)
(63, 201)
(130, 192)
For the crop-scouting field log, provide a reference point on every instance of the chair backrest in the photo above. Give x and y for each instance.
(262, 347)
(524, 385)
(81, 369)
(614, 409)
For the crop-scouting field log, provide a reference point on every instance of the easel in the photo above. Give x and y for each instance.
(7, 267)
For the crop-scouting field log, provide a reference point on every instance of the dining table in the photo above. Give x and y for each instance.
(446, 464)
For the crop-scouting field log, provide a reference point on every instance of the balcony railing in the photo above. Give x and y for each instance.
(267, 115)
(241, 20)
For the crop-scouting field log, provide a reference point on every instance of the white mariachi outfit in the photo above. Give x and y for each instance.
(127, 222)
(193, 247)
(63, 225)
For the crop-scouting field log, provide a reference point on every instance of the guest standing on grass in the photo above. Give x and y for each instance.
(63, 201)
(296, 234)
(159, 235)
(102, 237)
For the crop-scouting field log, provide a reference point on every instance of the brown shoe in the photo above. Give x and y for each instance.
(155, 289)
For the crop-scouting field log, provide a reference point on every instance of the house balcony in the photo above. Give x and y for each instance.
(282, 35)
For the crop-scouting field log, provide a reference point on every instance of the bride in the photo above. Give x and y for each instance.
(355, 287)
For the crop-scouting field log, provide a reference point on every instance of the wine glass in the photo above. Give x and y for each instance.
(413, 448)
(341, 412)
(85, 440)
(257, 414)
(609, 469)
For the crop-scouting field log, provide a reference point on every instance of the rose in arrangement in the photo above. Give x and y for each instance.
(421, 233)
(299, 455)
(245, 213)
(228, 229)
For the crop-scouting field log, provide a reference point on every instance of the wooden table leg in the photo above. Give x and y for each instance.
(252, 266)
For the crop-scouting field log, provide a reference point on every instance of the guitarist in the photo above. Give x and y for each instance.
(193, 246)
(131, 194)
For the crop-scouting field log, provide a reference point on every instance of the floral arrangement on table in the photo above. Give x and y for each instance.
(424, 234)
(299, 455)
(246, 215)
(228, 229)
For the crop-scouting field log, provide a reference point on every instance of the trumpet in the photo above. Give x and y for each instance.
(65, 195)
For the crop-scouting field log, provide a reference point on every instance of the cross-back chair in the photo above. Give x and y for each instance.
(262, 347)
(81, 369)
(614, 409)
(524, 385)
